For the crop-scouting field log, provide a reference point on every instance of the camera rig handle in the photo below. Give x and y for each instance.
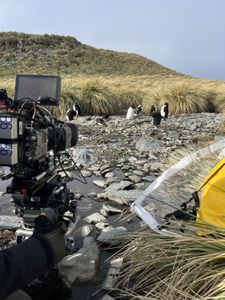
(46, 221)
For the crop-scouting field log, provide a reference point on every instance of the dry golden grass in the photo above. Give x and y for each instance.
(184, 94)
(173, 267)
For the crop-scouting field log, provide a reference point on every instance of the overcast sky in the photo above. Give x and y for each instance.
(185, 35)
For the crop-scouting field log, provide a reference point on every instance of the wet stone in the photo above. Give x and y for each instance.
(81, 266)
(104, 212)
(86, 230)
(122, 197)
(118, 186)
(86, 173)
(95, 218)
(97, 173)
(92, 195)
(100, 183)
(112, 180)
(93, 168)
(109, 175)
(77, 195)
(111, 209)
(101, 225)
(111, 235)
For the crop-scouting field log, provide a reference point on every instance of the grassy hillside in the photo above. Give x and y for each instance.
(65, 55)
(110, 78)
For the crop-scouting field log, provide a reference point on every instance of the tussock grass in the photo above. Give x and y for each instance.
(173, 267)
(131, 78)
(128, 99)
(95, 99)
(183, 99)
(187, 95)
(220, 102)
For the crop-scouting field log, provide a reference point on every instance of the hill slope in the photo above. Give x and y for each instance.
(65, 55)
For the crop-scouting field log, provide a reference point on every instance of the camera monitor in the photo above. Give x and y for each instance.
(41, 88)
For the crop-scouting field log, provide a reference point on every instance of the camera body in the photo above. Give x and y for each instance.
(33, 144)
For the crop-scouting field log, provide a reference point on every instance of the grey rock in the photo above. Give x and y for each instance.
(219, 138)
(132, 159)
(135, 178)
(93, 168)
(112, 235)
(102, 196)
(83, 156)
(109, 283)
(139, 185)
(156, 166)
(95, 218)
(97, 173)
(125, 168)
(173, 135)
(104, 167)
(109, 175)
(92, 195)
(10, 222)
(122, 197)
(86, 173)
(77, 195)
(101, 225)
(112, 180)
(141, 162)
(111, 209)
(151, 145)
(149, 178)
(118, 186)
(116, 262)
(139, 173)
(100, 183)
(86, 230)
(152, 157)
(104, 212)
(81, 266)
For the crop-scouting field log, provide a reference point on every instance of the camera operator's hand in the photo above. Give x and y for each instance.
(51, 233)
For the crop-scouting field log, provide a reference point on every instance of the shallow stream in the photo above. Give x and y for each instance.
(54, 288)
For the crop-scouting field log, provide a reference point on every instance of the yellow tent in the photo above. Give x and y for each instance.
(212, 200)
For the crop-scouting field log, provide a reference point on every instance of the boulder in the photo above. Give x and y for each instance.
(151, 145)
(95, 218)
(83, 156)
(118, 186)
(81, 266)
(112, 235)
(121, 197)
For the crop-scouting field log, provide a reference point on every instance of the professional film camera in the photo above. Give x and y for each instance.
(33, 144)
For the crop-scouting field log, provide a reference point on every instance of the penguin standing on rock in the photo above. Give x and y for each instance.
(139, 110)
(73, 112)
(156, 115)
(165, 111)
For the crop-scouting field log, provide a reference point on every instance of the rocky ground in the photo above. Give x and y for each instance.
(119, 161)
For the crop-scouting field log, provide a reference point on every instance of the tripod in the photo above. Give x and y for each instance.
(32, 196)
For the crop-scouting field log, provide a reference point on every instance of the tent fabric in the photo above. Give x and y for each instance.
(163, 192)
(212, 201)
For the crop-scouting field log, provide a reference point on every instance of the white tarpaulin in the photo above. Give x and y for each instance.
(176, 185)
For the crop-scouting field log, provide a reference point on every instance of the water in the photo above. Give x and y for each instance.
(54, 287)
